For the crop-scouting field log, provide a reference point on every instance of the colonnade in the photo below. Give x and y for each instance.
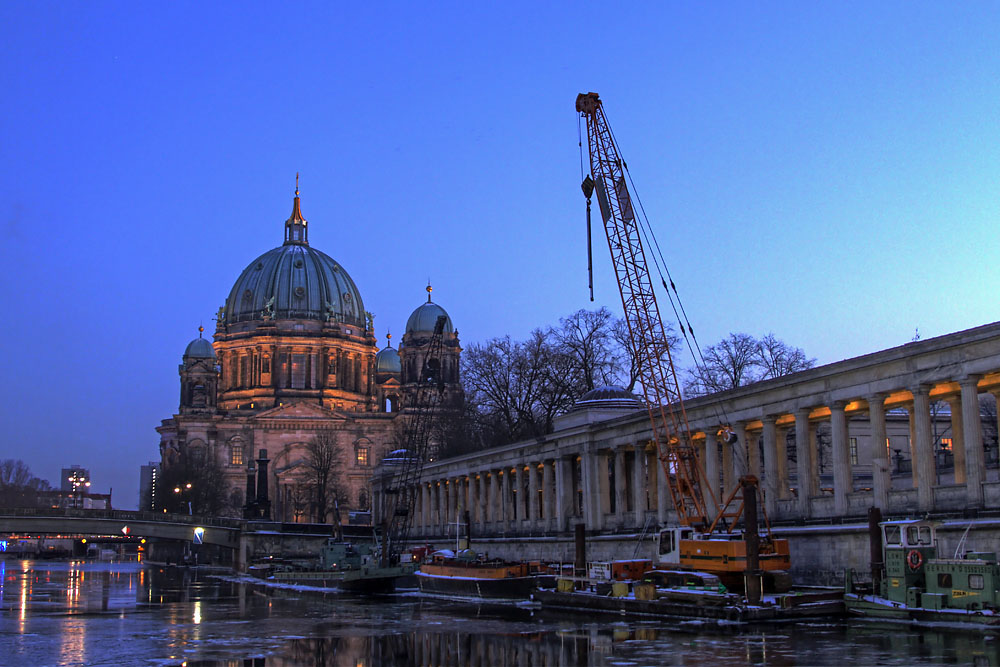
(819, 441)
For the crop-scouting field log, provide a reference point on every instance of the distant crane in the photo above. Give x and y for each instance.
(710, 549)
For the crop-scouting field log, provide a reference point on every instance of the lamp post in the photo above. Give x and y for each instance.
(186, 489)
(78, 481)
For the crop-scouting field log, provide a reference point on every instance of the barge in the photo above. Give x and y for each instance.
(465, 574)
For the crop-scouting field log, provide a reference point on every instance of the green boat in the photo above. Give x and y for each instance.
(348, 567)
(919, 586)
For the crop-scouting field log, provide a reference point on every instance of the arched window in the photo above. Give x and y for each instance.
(363, 501)
(236, 453)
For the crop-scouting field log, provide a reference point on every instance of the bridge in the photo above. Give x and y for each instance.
(218, 531)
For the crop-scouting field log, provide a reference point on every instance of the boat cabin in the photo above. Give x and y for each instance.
(917, 577)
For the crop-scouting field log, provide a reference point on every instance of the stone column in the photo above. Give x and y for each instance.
(549, 494)
(771, 481)
(711, 464)
(534, 502)
(925, 448)
(425, 512)
(729, 472)
(881, 479)
(591, 488)
(507, 502)
(495, 507)
(639, 486)
(562, 499)
(975, 464)
(784, 490)
(957, 438)
(473, 499)
(804, 461)
(621, 506)
(814, 472)
(664, 503)
(842, 478)
(752, 450)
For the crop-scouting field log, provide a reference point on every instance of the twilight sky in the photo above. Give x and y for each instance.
(830, 174)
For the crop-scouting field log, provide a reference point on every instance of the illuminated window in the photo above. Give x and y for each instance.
(361, 456)
(946, 443)
(236, 455)
(854, 451)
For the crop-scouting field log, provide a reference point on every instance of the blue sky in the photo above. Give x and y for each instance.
(826, 172)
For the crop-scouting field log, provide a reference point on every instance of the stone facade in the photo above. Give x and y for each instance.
(826, 443)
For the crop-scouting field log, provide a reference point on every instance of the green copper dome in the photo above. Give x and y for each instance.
(387, 361)
(199, 348)
(425, 317)
(295, 282)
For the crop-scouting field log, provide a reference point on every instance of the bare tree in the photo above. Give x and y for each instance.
(776, 358)
(192, 482)
(587, 339)
(629, 363)
(18, 487)
(740, 359)
(730, 363)
(323, 476)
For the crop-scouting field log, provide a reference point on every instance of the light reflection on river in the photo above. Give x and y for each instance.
(58, 613)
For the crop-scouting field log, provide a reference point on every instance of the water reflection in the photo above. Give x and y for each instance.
(85, 613)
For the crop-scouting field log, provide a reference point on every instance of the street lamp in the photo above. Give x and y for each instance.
(187, 488)
(79, 481)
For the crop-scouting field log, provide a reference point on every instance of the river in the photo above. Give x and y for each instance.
(90, 613)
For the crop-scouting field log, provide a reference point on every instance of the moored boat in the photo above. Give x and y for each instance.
(915, 584)
(348, 567)
(465, 574)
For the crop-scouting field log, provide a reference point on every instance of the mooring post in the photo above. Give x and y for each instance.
(752, 576)
(875, 548)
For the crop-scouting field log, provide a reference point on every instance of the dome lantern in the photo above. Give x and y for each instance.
(296, 227)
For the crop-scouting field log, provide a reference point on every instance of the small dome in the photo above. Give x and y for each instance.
(425, 317)
(199, 348)
(609, 396)
(387, 361)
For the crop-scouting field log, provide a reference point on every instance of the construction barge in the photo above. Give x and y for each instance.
(689, 596)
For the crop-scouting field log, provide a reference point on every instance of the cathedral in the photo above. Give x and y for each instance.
(294, 356)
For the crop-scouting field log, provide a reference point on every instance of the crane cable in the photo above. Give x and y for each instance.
(694, 348)
(687, 330)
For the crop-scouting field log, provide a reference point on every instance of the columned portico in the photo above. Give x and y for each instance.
(854, 424)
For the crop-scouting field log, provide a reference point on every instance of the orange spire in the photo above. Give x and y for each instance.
(296, 225)
(429, 290)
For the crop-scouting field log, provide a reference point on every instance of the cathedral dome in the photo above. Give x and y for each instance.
(199, 348)
(294, 282)
(387, 361)
(425, 317)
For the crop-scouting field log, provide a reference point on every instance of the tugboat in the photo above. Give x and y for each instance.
(464, 573)
(921, 586)
(348, 567)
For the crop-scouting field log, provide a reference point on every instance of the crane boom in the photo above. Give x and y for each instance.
(402, 474)
(649, 342)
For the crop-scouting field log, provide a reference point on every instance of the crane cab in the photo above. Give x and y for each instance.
(668, 544)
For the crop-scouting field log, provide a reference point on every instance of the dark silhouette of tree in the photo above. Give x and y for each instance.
(18, 487)
(776, 358)
(322, 479)
(195, 477)
(629, 362)
(740, 359)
